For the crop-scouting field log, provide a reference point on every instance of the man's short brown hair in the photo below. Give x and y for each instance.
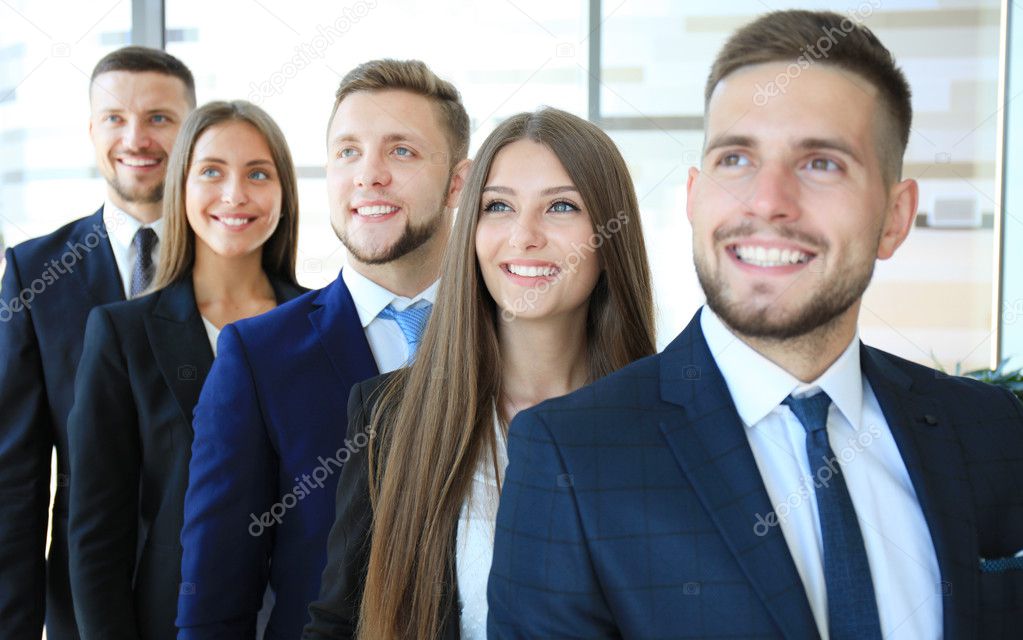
(142, 59)
(413, 76)
(808, 37)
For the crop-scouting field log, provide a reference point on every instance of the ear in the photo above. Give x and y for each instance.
(458, 177)
(694, 173)
(903, 199)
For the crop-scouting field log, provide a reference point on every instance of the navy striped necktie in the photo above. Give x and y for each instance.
(143, 269)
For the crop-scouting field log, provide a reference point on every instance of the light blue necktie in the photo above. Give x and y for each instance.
(411, 321)
(852, 607)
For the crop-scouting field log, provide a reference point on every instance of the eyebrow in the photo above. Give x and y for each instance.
(806, 144)
(250, 163)
(390, 137)
(546, 192)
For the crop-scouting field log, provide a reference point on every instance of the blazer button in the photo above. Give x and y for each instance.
(929, 420)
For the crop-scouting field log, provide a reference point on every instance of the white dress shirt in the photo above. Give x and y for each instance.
(212, 333)
(903, 564)
(121, 229)
(474, 549)
(386, 341)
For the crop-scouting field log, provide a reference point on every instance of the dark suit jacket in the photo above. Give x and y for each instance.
(61, 277)
(130, 439)
(336, 613)
(268, 449)
(628, 508)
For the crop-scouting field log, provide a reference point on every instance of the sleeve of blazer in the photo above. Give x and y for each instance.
(26, 443)
(542, 583)
(336, 613)
(226, 538)
(105, 457)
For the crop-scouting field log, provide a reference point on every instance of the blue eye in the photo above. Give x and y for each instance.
(209, 172)
(160, 118)
(346, 152)
(259, 174)
(403, 152)
(563, 206)
(112, 119)
(496, 206)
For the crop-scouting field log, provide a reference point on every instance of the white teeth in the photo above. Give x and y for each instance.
(773, 257)
(139, 162)
(235, 222)
(532, 272)
(376, 210)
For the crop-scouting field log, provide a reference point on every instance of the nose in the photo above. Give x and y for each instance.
(372, 172)
(527, 233)
(774, 194)
(135, 134)
(234, 191)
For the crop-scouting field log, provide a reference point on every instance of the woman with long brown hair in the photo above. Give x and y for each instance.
(545, 287)
(230, 216)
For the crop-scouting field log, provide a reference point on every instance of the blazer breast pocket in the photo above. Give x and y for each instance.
(1001, 597)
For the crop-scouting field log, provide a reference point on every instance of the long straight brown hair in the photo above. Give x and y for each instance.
(177, 248)
(434, 420)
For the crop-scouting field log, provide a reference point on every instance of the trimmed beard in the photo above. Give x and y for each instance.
(150, 196)
(834, 299)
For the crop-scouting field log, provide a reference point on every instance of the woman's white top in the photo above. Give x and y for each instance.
(212, 332)
(475, 544)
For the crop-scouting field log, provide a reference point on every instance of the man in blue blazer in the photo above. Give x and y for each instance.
(138, 99)
(271, 420)
(767, 475)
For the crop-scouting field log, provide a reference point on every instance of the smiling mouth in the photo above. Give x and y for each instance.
(531, 271)
(234, 221)
(376, 210)
(137, 162)
(760, 256)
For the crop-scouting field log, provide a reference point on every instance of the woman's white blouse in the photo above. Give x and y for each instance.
(475, 543)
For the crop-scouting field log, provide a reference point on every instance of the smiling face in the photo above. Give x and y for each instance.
(133, 121)
(232, 191)
(790, 210)
(532, 236)
(388, 175)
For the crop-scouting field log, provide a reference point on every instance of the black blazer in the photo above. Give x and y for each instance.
(143, 365)
(49, 286)
(335, 614)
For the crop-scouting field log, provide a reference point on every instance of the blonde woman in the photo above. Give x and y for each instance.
(231, 216)
(545, 288)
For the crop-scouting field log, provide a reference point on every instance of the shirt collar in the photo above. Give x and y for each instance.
(121, 227)
(758, 386)
(370, 298)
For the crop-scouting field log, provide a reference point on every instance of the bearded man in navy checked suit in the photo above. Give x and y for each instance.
(271, 420)
(768, 475)
(138, 98)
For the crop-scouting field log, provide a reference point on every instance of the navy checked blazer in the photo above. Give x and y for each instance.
(628, 509)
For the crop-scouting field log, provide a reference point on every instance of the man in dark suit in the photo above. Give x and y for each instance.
(138, 98)
(270, 424)
(768, 475)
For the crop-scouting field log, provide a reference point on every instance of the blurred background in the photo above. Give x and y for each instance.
(952, 296)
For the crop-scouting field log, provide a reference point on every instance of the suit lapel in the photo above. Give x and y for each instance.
(180, 344)
(707, 439)
(934, 460)
(337, 323)
(95, 260)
